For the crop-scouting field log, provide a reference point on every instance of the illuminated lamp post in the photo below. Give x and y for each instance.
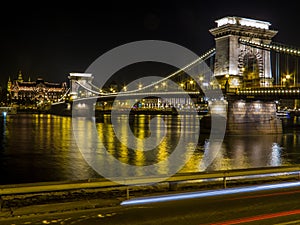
(182, 85)
(288, 78)
(192, 85)
(283, 81)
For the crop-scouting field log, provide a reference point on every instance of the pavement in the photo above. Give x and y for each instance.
(57, 207)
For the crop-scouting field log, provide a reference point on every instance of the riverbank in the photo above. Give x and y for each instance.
(23, 200)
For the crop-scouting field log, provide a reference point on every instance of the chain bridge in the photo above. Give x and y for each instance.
(245, 78)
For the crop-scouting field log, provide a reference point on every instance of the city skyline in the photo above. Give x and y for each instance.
(52, 41)
(92, 137)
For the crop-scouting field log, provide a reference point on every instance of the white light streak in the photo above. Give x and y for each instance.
(202, 194)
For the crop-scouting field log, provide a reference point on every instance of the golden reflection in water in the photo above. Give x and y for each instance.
(64, 128)
(123, 124)
(162, 148)
(139, 132)
(124, 139)
(235, 152)
(76, 165)
(48, 130)
(110, 140)
(124, 158)
(41, 129)
(240, 159)
(162, 157)
(193, 163)
(37, 127)
(106, 143)
(140, 129)
(295, 139)
(50, 140)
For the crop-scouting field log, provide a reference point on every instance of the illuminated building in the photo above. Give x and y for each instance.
(34, 92)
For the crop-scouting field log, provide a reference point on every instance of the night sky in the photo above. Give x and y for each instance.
(52, 40)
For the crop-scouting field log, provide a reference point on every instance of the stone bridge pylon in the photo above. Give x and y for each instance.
(239, 64)
(76, 81)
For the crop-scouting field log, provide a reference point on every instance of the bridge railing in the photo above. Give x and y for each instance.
(240, 174)
(274, 90)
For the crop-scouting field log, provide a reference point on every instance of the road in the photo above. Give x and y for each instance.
(280, 205)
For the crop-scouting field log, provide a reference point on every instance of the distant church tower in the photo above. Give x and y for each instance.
(20, 77)
(9, 83)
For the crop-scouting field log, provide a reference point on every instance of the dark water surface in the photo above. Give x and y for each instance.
(42, 147)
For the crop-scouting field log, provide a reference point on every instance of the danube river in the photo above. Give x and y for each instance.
(43, 147)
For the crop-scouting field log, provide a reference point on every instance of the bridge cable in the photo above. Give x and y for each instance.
(275, 46)
(204, 57)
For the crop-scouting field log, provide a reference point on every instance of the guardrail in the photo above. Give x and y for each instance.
(145, 181)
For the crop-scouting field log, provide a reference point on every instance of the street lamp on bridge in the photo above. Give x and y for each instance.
(283, 81)
(286, 80)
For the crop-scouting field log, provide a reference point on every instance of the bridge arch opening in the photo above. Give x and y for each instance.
(251, 69)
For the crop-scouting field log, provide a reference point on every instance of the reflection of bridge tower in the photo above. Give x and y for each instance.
(241, 64)
(77, 79)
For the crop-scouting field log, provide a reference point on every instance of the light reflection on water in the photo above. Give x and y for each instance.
(38, 148)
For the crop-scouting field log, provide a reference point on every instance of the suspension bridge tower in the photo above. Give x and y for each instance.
(241, 62)
(241, 65)
(77, 81)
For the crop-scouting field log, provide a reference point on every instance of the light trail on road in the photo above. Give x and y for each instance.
(201, 194)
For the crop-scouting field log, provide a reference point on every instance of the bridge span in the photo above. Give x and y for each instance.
(239, 86)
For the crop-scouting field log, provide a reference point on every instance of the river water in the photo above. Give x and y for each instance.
(43, 147)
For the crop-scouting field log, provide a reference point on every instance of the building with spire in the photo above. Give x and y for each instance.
(20, 77)
(9, 83)
(36, 92)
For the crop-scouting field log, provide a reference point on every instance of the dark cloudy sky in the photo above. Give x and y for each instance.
(51, 40)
